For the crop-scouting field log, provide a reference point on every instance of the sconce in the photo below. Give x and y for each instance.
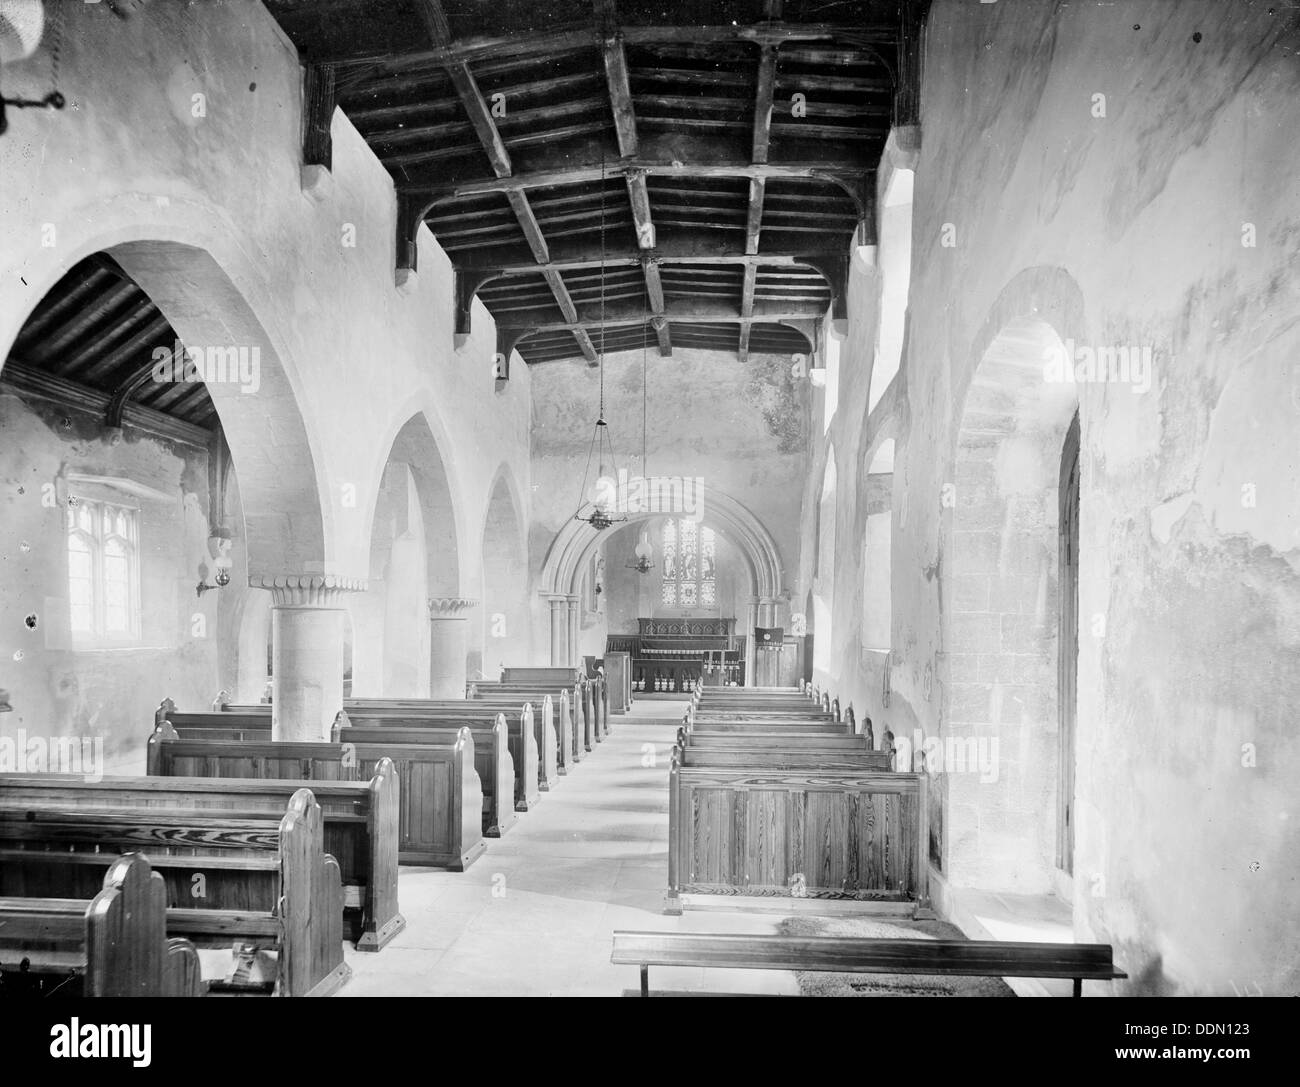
(219, 544)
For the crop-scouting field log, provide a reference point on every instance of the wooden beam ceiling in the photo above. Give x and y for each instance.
(542, 144)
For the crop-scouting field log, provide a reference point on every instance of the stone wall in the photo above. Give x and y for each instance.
(1052, 224)
(180, 154)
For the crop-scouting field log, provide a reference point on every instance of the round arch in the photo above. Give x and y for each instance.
(1002, 592)
(212, 296)
(574, 543)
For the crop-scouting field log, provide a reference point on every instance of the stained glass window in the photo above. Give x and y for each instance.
(689, 565)
(103, 573)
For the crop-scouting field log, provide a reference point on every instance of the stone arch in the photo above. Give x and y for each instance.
(416, 573)
(212, 297)
(570, 552)
(505, 629)
(565, 560)
(1000, 594)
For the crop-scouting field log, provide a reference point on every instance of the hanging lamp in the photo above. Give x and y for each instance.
(602, 495)
(643, 551)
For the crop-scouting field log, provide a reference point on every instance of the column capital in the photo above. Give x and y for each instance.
(449, 607)
(307, 590)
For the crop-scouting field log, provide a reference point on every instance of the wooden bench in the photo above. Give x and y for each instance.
(590, 699)
(782, 758)
(530, 735)
(551, 731)
(583, 729)
(250, 878)
(747, 836)
(437, 783)
(493, 762)
(113, 945)
(852, 955)
(361, 827)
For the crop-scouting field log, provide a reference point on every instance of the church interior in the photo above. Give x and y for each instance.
(560, 498)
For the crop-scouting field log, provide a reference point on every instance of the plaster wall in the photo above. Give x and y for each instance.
(234, 240)
(1115, 230)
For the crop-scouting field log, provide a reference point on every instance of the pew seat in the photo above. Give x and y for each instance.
(246, 878)
(361, 821)
(853, 955)
(113, 945)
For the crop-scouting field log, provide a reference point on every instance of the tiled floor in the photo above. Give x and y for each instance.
(534, 916)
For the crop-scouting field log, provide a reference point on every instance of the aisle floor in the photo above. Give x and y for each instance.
(534, 916)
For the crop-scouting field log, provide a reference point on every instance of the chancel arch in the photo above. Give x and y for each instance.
(570, 552)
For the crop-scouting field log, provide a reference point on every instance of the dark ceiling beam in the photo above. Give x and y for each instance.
(318, 101)
(480, 116)
(911, 50)
(516, 262)
(761, 144)
(747, 308)
(471, 49)
(680, 311)
(654, 289)
(620, 101)
(476, 107)
(839, 171)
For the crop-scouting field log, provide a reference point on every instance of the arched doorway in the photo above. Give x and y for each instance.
(1000, 754)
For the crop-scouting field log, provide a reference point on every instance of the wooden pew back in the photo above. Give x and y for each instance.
(437, 784)
(855, 835)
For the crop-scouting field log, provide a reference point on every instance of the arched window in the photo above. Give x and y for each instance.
(103, 570)
(690, 569)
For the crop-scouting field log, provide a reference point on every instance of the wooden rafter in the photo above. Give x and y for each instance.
(470, 50)
(687, 119)
(480, 116)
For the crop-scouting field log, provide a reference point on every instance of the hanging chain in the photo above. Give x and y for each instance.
(602, 282)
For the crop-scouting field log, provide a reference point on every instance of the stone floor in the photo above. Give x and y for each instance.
(534, 916)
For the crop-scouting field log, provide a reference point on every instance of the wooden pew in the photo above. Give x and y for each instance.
(503, 790)
(437, 783)
(858, 836)
(582, 727)
(113, 945)
(361, 827)
(864, 955)
(591, 716)
(549, 737)
(264, 881)
(782, 758)
(533, 743)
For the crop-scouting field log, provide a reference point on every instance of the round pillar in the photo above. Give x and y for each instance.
(306, 652)
(448, 643)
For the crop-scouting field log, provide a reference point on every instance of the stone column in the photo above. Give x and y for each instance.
(307, 652)
(752, 620)
(575, 644)
(559, 632)
(448, 638)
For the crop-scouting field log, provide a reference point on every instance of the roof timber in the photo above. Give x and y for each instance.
(518, 137)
